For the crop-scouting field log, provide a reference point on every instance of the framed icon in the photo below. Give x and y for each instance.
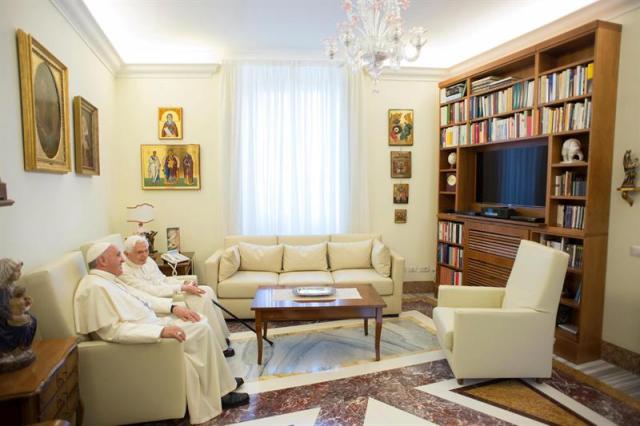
(400, 216)
(85, 132)
(400, 127)
(170, 166)
(170, 123)
(400, 164)
(400, 193)
(173, 239)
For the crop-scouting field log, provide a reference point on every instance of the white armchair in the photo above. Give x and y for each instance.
(489, 332)
(119, 383)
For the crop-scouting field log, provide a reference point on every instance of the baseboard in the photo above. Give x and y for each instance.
(418, 287)
(623, 358)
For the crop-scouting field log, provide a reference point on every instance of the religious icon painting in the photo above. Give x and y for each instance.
(170, 166)
(400, 216)
(85, 132)
(173, 238)
(400, 193)
(400, 127)
(170, 123)
(44, 93)
(400, 164)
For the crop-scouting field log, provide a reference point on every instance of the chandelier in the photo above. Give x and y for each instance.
(372, 37)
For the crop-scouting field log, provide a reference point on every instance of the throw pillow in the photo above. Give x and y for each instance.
(305, 258)
(229, 263)
(356, 255)
(254, 257)
(381, 258)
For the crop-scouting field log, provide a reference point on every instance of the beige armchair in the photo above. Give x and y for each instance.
(489, 332)
(119, 383)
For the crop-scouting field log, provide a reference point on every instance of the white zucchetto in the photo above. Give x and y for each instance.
(96, 250)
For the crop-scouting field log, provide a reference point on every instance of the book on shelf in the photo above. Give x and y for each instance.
(453, 136)
(518, 96)
(578, 295)
(571, 328)
(573, 249)
(572, 116)
(451, 93)
(450, 232)
(491, 82)
(568, 83)
(570, 216)
(449, 276)
(450, 255)
(453, 113)
(516, 126)
(570, 184)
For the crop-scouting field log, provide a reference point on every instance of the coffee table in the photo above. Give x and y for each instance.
(267, 309)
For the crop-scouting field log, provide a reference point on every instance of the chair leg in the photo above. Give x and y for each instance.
(460, 381)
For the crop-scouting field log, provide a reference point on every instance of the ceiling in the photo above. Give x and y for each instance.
(210, 31)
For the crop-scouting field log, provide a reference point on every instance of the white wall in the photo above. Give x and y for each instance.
(52, 213)
(622, 294)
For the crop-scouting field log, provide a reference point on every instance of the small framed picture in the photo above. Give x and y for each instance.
(170, 166)
(401, 127)
(85, 134)
(400, 216)
(400, 164)
(173, 239)
(400, 193)
(170, 123)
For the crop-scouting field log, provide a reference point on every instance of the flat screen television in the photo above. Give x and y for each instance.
(512, 176)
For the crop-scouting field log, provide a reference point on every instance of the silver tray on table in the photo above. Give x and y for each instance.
(314, 291)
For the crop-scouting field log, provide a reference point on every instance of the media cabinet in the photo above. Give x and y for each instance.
(537, 102)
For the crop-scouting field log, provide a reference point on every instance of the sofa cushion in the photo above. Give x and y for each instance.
(381, 258)
(243, 284)
(254, 257)
(355, 255)
(383, 285)
(264, 240)
(443, 318)
(305, 278)
(229, 262)
(305, 258)
(302, 240)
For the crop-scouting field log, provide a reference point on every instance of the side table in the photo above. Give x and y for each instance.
(45, 390)
(182, 268)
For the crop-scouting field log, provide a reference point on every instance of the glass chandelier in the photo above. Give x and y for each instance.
(372, 37)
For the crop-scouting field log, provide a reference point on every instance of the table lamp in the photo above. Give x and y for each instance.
(142, 213)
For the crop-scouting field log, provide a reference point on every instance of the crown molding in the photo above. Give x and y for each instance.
(414, 74)
(603, 10)
(81, 20)
(167, 70)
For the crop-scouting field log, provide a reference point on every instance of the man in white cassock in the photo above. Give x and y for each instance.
(116, 312)
(142, 272)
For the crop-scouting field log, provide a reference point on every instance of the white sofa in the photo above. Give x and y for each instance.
(237, 291)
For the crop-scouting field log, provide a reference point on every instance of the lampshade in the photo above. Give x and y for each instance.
(141, 213)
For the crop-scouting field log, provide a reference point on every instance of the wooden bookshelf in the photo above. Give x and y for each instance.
(589, 54)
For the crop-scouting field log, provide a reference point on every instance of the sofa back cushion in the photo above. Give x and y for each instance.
(255, 257)
(115, 239)
(229, 263)
(52, 288)
(381, 258)
(264, 240)
(302, 240)
(305, 257)
(353, 255)
(349, 238)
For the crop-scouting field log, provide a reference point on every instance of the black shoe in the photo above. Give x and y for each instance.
(226, 339)
(229, 352)
(239, 382)
(234, 399)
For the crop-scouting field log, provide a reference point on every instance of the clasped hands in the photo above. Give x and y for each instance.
(191, 287)
(175, 332)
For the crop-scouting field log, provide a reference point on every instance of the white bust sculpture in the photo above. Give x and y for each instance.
(572, 151)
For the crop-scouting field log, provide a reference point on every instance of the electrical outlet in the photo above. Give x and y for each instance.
(411, 268)
(424, 269)
(635, 251)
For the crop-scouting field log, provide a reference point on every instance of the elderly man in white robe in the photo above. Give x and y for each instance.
(142, 272)
(118, 313)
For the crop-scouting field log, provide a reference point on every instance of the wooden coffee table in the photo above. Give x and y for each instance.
(267, 309)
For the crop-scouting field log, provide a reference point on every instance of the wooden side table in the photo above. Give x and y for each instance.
(183, 268)
(47, 389)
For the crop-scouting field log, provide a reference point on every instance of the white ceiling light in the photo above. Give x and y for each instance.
(372, 37)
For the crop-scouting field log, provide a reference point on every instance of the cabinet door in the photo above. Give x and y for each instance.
(490, 251)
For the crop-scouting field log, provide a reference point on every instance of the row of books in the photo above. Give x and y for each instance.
(450, 232)
(570, 216)
(570, 184)
(449, 276)
(450, 255)
(453, 113)
(490, 82)
(573, 249)
(572, 116)
(519, 125)
(570, 82)
(453, 136)
(451, 93)
(518, 96)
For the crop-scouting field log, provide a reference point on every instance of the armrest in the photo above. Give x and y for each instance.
(506, 331)
(397, 272)
(122, 383)
(211, 268)
(456, 296)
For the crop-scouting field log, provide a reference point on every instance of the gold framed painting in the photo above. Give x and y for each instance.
(44, 94)
(400, 127)
(170, 166)
(401, 164)
(85, 137)
(401, 193)
(400, 216)
(170, 123)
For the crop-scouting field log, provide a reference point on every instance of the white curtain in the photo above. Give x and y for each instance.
(293, 158)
